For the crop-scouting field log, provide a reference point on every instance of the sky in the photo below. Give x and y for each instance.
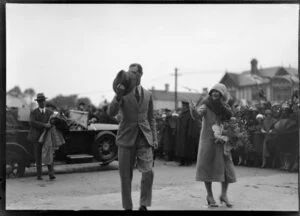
(63, 49)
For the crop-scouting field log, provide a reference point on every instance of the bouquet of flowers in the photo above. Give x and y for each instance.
(231, 133)
(236, 132)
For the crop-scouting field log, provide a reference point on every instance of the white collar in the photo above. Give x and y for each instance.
(139, 87)
(42, 109)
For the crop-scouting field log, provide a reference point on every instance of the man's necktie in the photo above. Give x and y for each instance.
(137, 95)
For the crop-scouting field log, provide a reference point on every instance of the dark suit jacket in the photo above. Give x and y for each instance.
(37, 122)
(134, 116)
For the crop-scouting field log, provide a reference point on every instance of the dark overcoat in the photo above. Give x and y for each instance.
(37, 122)
(168, 135)
(186, 136)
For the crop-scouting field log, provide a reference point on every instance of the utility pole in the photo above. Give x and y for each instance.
(176, 84)
(176, 77)
(176, 74)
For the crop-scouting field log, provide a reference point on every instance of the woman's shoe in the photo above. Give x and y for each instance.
(211, 202)
(52, 177)
(264, 162)
(225, 200)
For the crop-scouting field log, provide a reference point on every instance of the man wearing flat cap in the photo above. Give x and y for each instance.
(136, 135)
(39, 120)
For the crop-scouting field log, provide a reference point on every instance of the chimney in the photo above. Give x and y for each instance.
(152, 88)
(167, 87)
(254, 69)
(205, 91)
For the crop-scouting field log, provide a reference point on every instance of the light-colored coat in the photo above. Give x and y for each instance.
(212, 165)
(135, 115)
(53, 140)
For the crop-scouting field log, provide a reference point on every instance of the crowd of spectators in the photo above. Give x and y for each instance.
(178, 135)
(272, 134)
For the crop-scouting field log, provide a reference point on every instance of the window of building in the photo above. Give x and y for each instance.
(281, 94)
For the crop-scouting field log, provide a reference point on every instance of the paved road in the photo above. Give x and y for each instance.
(174, 189)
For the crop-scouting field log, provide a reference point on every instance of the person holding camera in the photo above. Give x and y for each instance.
(136, 136)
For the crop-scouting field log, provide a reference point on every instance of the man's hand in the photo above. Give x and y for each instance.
(120, 91)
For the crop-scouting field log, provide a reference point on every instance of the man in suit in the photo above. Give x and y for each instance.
(39, 120)
(136, 138)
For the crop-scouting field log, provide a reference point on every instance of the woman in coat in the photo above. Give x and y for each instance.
(212, 165)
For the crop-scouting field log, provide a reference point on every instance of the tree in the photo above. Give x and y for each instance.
(29, 92)
(15, 91)
(85, 100)
(61, 101)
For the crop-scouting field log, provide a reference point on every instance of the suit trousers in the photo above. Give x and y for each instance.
(141, 154)
(38, 160)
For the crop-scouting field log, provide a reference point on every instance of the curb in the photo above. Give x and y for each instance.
(73, 168)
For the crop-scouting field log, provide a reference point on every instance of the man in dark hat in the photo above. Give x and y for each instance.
(136, 137)
(39, 120)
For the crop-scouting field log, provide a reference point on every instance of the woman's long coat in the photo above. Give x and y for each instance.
(212, 165)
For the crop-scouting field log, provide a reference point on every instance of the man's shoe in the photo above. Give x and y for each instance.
(39, 178)
(52, 177)
(143, 208)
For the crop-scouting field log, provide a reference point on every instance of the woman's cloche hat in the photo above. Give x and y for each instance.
(220, 87)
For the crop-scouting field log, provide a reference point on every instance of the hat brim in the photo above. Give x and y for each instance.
(125, 78)
(40, 99)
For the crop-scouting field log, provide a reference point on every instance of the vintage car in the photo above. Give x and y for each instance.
(83, 143)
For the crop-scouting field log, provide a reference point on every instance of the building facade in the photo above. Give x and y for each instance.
(20, 104)
(165, 99)
(277, 83)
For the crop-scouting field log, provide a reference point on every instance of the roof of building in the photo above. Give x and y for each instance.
(266, 72)
(251, 79)
(263, 76)
(288, 78)
(170, 96)
(292, 71)
(234, 77)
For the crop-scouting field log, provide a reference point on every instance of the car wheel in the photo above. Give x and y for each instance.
(104, 147)
(15, 166)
